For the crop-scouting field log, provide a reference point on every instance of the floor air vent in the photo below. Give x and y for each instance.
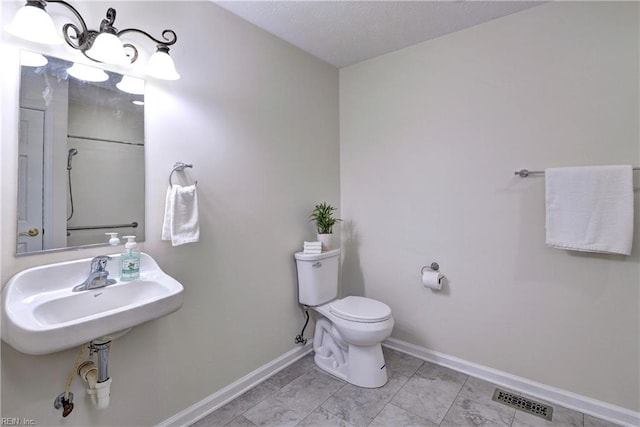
(522, 403)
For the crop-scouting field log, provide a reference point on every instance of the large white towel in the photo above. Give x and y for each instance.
(181, 223)
(590, 208)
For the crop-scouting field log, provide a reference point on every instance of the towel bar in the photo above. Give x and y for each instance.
(525, 173)
(100, 227)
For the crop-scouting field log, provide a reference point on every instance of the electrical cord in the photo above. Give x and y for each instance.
(73, 372)
(65, 400)
(300, 339)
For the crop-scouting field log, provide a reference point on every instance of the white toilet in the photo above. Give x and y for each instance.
(348, 330)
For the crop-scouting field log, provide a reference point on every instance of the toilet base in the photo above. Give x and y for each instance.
(329, 365)
(365, 366)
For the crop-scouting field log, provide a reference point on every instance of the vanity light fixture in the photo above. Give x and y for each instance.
(131, 85)
(32, 23)
(87, 73)
(32, 59)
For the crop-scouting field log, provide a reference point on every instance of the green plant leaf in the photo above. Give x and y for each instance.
(322, 215)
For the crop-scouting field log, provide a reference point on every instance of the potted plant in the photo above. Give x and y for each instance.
(323, 217)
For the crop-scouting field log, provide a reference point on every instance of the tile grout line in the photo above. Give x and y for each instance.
(454, 399)
(391, 398)
(276, 391)
(256, 404)
(324, 401)
(398, 391)
(314, 367)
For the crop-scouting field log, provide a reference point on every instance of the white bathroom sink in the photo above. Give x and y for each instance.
(41, 314)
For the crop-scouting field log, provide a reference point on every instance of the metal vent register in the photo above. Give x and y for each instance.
(522, 403)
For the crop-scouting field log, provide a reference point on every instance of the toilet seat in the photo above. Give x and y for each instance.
(360, 309)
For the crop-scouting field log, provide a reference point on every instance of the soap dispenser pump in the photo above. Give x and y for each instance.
(113, 239)
(130, 260)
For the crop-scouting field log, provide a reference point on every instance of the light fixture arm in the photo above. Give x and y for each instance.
(82, 38)
(168, 40)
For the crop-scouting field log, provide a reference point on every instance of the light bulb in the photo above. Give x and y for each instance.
(87, 73)
(32, 23)
(131, 85)
(161, 65)
(108, 48)
(32, 59)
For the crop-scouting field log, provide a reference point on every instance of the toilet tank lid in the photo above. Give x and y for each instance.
(361, 309)
(315, 257)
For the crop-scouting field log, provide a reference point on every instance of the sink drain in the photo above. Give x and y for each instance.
(523, 404)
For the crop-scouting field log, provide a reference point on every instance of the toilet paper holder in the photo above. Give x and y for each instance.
(434, 267)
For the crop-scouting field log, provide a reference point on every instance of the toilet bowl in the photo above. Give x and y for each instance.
(350, 348)
(349, 331)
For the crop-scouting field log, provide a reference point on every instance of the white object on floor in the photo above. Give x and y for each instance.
(590, 208)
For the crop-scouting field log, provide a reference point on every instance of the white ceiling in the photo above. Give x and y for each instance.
(346, 32)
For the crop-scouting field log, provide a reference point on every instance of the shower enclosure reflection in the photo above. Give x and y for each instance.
(81, 159)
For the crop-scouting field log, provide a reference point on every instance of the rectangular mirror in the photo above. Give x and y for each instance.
(81, 155)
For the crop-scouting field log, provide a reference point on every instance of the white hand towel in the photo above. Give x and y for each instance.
(181, 224)
(312, 247)
(168, 214)
(590, 208)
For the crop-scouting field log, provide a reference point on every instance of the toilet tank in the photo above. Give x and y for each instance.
(317, 277)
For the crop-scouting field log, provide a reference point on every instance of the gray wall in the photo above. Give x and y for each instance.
(430, 137)
(258, 119)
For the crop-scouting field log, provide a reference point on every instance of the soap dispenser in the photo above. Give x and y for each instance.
(130, 260)
(113, 239)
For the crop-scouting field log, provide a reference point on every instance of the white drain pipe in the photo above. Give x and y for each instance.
(99, 391)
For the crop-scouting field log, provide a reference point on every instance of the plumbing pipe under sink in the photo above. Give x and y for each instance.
(97, 377)
(99, 391)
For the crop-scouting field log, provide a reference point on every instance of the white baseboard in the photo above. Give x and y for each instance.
(584, 404)
(209, 404)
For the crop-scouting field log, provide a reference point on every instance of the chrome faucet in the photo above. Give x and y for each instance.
(98, 276)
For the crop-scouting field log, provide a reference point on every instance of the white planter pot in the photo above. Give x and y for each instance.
(327, 241)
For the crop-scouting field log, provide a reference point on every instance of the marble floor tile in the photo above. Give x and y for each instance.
(293, 371)
(481, 391)
(418, 393)
(295, 401)
(394, 416)
(239, 405)
(400, 363)
(359, 405)
(590, 421)
(432, 371)
(240, 422)
(466, 412)
(430, 392)
(562, 416)
(322, 417)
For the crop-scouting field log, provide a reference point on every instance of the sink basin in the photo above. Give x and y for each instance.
(41, 314)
